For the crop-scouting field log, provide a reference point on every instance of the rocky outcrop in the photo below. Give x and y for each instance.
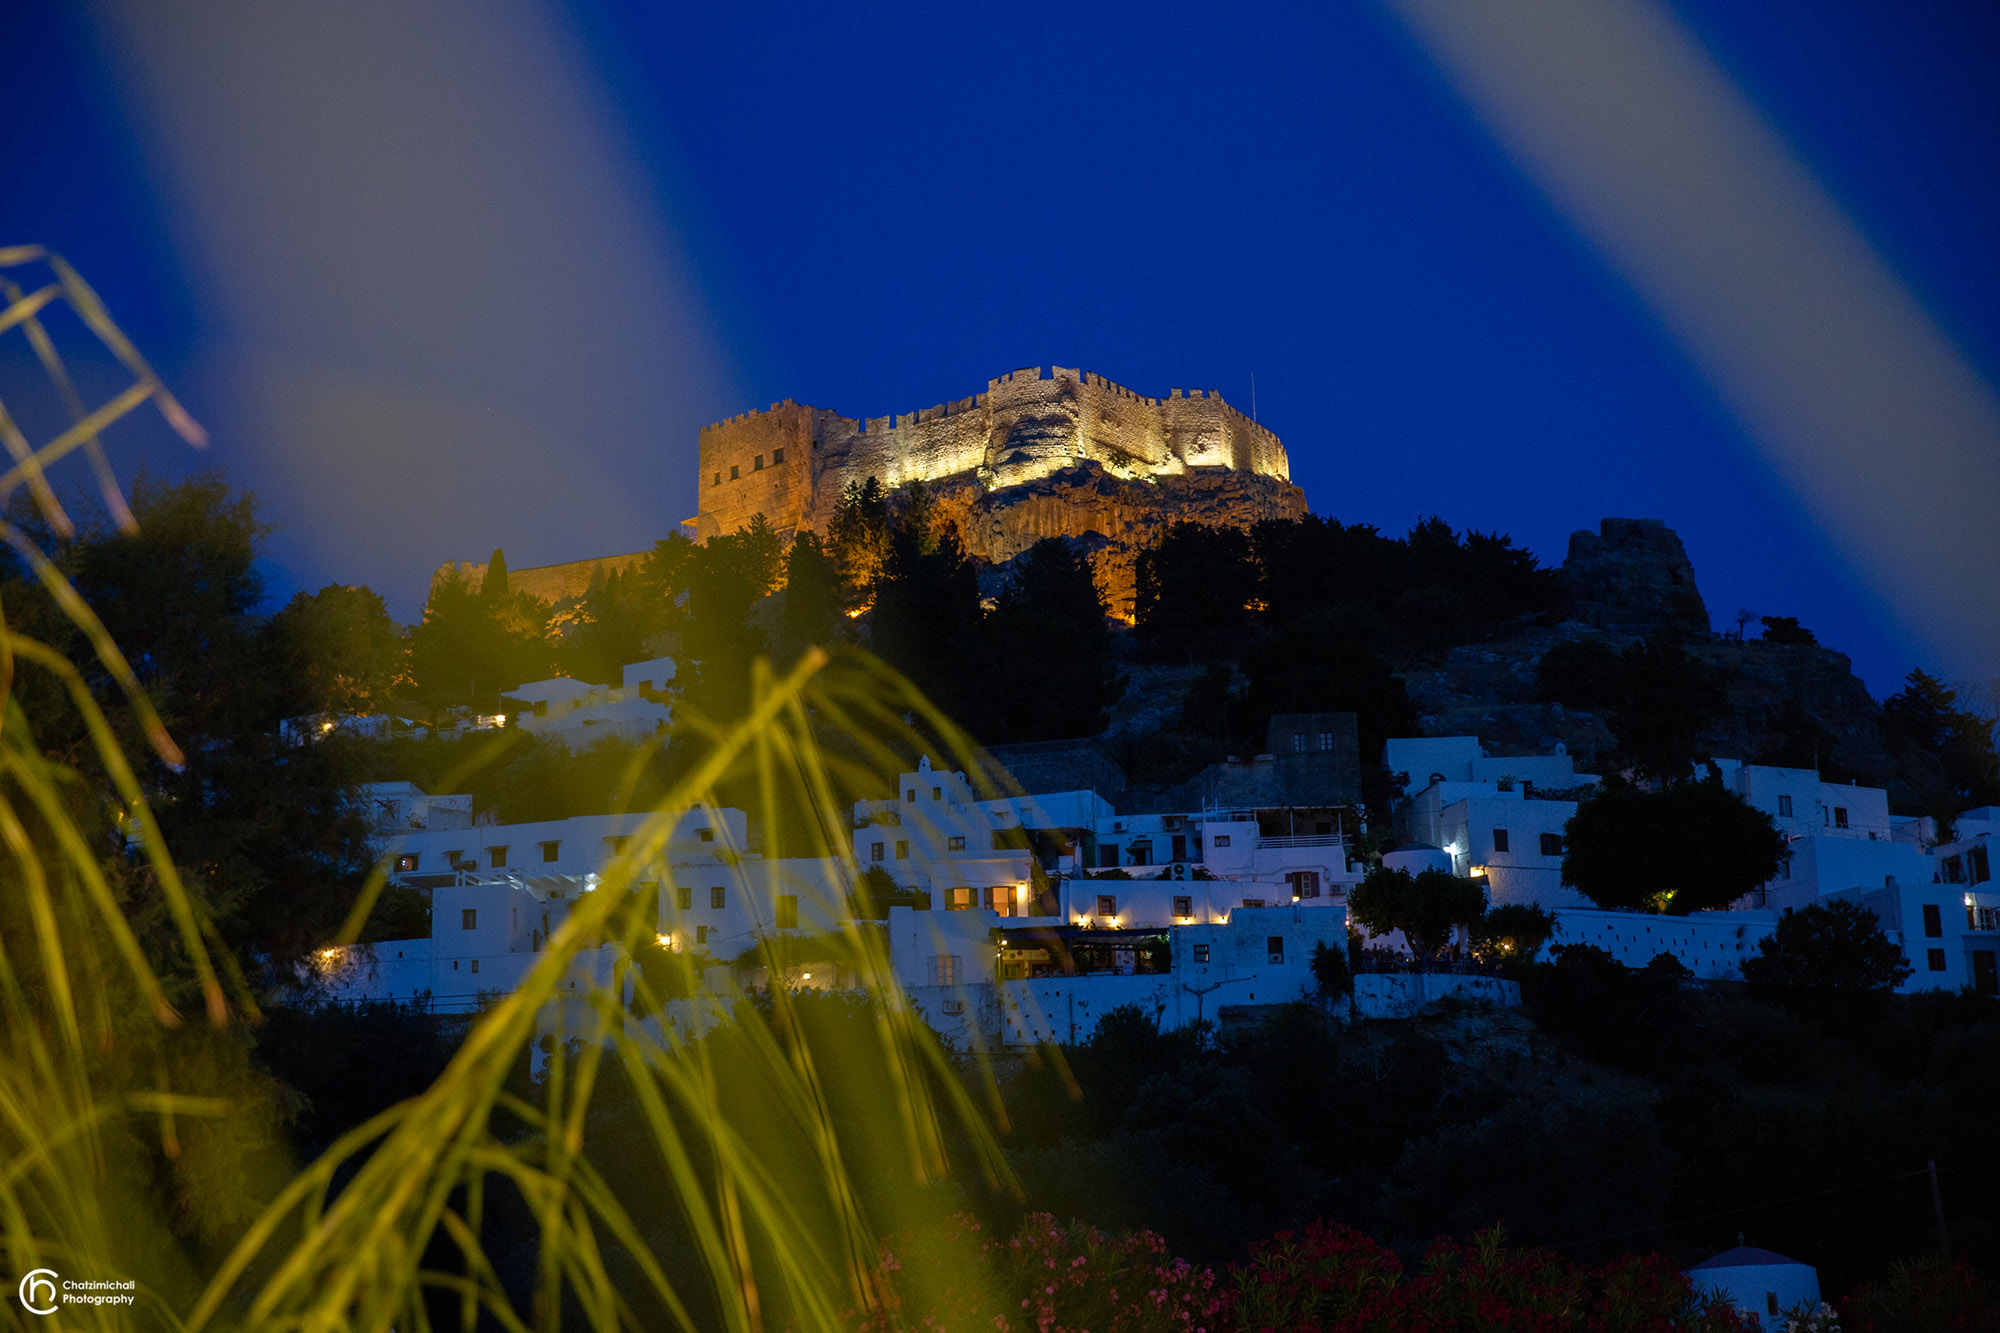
(1632, 573)
(1114, 517)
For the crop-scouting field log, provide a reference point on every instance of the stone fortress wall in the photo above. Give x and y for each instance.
(791, 462)
(548, 583)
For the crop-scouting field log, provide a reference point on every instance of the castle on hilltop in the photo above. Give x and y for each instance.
(1039, 454)
(1058, 454)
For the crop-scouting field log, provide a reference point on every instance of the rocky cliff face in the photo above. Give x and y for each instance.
(1114, 517)
(1632, 573)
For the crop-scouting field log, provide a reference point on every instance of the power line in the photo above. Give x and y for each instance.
(1748, 1208)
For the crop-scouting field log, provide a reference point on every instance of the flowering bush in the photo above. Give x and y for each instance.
(1056, 1279)
(1050, 1279)
(1336, 1280)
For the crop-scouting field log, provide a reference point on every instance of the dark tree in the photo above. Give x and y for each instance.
(1666, 699)
(1330, 970)
(1426, 907)
(1787, 630)
(813, 602)
(471, 648)
(1580, 673)
(1050, 648)
(726, 577)
(344, 652)
(1682, 848)
(1194, 588)
(927, 619)
(1515, 932)
(1951, 747)
(1831, 946)
(1318, 665)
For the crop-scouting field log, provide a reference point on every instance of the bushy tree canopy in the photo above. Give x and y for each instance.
(1682, 848)
(1833, 946)
(1427, 907)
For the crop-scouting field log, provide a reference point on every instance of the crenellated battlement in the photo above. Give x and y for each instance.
(791, 461)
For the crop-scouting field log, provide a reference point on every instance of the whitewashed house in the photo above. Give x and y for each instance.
(1763, 1285)
(580, 715)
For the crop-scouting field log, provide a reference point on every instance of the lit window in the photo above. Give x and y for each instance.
(1201, 953)
(1305, 883)
(959, 899)
(406, 862)
(1784, 807)
(468, 918)
(550, 850)
(1499, 840)
(955, 844)
(718, 897)
(944, 969)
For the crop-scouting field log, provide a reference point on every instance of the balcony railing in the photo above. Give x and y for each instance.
(1304, 840)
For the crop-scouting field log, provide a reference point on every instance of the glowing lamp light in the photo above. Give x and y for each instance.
(1475, 871)
(664, 941)
(807, 975)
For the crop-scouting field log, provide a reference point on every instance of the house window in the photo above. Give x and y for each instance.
(406, 862)
(1275, 946)
(451, 858)
(1552, 844)
(1326, 741)
(910, 795)
(937, 793)
(1107, 905)
(614, 846)
(1499, 840)
(757, 463)
(1840, 816)
(1184, 906)
(1253, 902)
(1933, 922)
(1107, 856)
(902, 849)
(706, 835)
(955, 844)
(1298, 742)
(1201, 953)
(1784, 807)
(468, 918)
(550, 850)
(717, 481)
(496, 857)
(788, 911)
(777, 457)
(1140, 854)
(875, 851)
(1771, 1303)
(735, 472)
(1000, 898)
(1978, 869)
(1952, 870)
(701, 934)
(475, 964)
(1936, 959)
(1221, 840)
(1305, 883)
(684, 897)
(959, 899)
(944, 969)
(718, 897)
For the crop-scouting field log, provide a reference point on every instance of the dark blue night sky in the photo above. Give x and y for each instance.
(879, 209)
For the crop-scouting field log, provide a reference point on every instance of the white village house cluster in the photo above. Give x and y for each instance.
(1026, 917)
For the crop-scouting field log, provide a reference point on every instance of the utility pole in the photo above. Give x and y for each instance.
(1937, 1207)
